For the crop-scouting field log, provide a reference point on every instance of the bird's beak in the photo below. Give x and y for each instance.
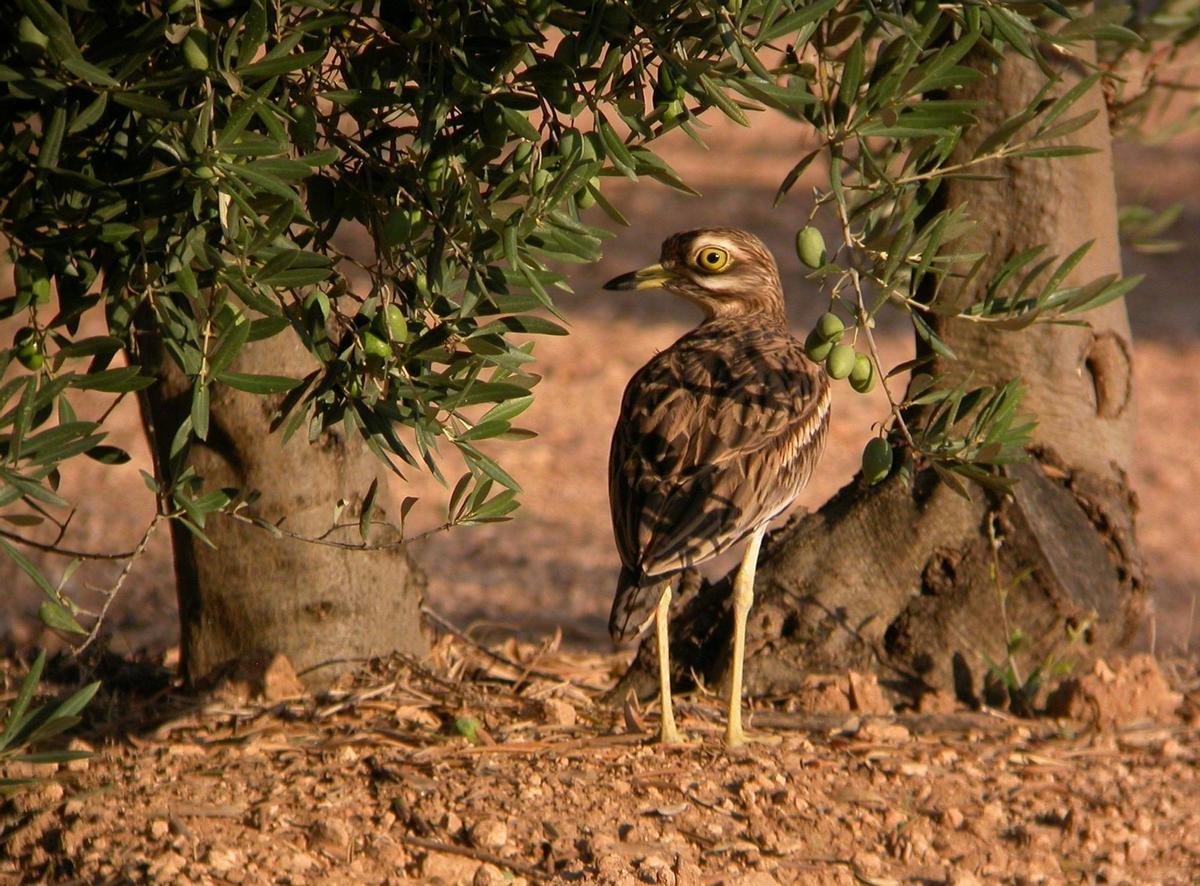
(652, 277)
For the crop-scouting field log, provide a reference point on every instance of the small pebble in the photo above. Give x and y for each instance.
(490, 833)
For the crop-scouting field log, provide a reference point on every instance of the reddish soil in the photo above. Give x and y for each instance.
(480, 771)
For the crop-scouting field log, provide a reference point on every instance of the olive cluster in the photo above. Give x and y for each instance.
(389, 326)
(824, 345)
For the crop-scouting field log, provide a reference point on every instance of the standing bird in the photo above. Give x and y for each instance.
(717, 436)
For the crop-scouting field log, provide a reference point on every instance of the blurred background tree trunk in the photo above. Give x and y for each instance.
(254, 594)
(904, 579)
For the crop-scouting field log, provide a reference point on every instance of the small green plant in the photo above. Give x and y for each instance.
(25, 727)
(1004, 685)
(468, 727)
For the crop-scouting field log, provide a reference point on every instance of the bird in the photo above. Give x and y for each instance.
(716, 436)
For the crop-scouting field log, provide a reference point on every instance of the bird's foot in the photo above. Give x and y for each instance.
(736, 737)
(669, 735)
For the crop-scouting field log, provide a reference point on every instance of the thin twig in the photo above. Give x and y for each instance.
(344, 545)
(520, 867)
(111, 593)
(61, 551)
(521, 669)
(111, 406)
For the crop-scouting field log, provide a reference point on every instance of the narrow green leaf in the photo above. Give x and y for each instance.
(16, 713)
(852, 71)
(620, 156)
(273, 67)
(89, 72)
(229, 345)
(368, 507)
(1055, 151)
(794, 174)
(29, 569)
(507, 411)
(200, 409)
(52, 139)
(108, 455)
(724, 103)
(257, 384)
(55, 616)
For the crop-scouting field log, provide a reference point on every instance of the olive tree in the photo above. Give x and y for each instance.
(189, 176)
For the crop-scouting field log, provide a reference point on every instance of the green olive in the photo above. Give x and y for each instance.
(397, 323)
(396, 227)
(830, 327)
(810, 246)
(374, 346)
(840, 361)
(586, 198)
(31, 357)
(862, 376)
(204, 172)
(876, 460)
(541, 178)
(28, 350)
(570, 141)
(816, 347)
(195, 54)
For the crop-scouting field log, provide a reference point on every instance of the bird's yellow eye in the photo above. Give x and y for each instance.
(713, 259)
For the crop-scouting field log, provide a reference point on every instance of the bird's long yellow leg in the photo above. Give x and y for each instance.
(743, 598)
(667, 732)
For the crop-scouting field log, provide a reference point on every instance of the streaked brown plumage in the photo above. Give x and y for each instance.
(717, 434)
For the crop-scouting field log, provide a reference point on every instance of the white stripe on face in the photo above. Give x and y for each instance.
(724, 282)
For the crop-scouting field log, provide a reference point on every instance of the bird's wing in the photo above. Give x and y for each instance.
(717, 435)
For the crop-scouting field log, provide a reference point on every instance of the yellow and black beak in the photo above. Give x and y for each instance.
(652, 277)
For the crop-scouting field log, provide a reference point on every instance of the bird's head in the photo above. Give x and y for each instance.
(727, 272)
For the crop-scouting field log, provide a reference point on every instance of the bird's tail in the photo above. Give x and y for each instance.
(633, 604)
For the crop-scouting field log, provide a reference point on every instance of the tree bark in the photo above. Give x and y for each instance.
(900, 579)
(254, 594)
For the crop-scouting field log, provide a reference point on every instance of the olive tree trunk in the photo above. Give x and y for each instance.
(899, 579)
(253, 594)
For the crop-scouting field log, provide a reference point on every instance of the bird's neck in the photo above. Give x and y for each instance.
(764, 313)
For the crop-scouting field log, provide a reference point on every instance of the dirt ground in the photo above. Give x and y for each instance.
(487, 768)
(377, 781)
